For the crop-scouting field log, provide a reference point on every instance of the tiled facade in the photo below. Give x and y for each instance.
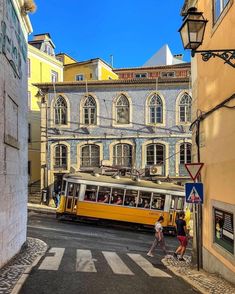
(106, 132)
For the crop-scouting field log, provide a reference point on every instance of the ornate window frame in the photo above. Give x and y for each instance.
(52, 156)
(52, 112)
(147, 116)
(82, 103)
(177, 110)
(167, 149)
(116, 142)
(82, 144)
(177, 153)
(114, 113)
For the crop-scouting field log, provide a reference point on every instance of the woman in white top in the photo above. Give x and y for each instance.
(159, 238)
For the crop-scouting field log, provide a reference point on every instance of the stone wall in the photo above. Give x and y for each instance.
(13, 134)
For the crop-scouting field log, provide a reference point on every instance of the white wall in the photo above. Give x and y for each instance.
(13, 141)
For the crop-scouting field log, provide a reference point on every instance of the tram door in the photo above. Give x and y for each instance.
(72, 198)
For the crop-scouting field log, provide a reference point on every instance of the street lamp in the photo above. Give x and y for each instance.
(192, 34)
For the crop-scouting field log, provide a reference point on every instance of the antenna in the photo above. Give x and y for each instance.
(111, 60)
(86, 88)
(156, 85)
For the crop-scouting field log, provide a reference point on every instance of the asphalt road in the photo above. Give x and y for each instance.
(89, 258)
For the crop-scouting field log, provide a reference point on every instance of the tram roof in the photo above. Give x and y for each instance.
(125, 181)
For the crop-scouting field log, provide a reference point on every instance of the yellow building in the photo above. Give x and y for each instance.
(42, 67)
(214, 96)
(93, 69)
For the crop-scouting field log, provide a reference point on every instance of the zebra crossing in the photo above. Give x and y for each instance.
(85, 263)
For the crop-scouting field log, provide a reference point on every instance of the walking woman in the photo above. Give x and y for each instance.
(159, 238)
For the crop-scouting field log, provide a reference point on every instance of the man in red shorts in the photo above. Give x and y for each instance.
(181, 236)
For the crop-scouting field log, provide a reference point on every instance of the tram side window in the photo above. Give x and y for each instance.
(131, 198)
(144, 199)
(90, 194)
(117, 196)
(104, 194)
(177, 203)
(158, 201)
(180, 203)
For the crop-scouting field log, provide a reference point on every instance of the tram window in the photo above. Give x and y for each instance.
(180, 204)
(172, 202)
(117, 196)
(131, 198)
(77, 189)
(158, 201)
(104, 194)
(144, 199)
(70, 189)
(90, 194)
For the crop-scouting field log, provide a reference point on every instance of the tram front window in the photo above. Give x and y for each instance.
(70, 189)
(131, 198)
(117, 196)
(158, 201)
(144, 199)
(90, 194)
(104, 194)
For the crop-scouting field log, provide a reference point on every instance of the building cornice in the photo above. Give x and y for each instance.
(167, 67)
(130, 82)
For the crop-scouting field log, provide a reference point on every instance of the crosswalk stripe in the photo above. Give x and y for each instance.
(147, 266)
(52, 263)
(116, 264)
(85, 262)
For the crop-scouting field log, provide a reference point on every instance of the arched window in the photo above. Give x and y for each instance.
(185, 153)
(122, 155)
(122, 110)
(155, 154)
(185, 108)
(90, 156)
(60, 110)
(60, 157)
(90, 111)
(155, 109)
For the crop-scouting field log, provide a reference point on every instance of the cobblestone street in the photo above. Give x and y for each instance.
(11, 272)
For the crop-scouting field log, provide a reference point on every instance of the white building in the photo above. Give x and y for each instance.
(15, 27)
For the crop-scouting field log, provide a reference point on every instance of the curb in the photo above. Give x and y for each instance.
(25, 274)
(186, 279)
(42, 210)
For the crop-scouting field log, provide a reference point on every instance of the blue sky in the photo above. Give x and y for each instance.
(131, 30)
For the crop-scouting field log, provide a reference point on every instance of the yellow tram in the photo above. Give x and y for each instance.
(122, 199)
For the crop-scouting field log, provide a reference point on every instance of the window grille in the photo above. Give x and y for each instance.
(122, 110)
(90, 156)
(155, 109)
(89, 108)
(122, 155)
(60, 111)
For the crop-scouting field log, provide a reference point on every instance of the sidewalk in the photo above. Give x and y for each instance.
(41, 208)
(201, 280)
(13, 274)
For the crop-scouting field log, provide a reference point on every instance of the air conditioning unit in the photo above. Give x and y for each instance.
(155, 170)
(105, 162)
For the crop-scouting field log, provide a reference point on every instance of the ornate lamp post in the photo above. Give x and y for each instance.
(192, 34)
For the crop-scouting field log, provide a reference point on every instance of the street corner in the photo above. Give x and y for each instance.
(14, 273)
(201, 280)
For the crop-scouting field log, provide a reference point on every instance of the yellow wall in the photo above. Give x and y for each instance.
(93, 70)
(66, 59)
(41, 66)
(213, 82)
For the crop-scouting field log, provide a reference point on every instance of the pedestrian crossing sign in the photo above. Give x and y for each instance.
(194, 192)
